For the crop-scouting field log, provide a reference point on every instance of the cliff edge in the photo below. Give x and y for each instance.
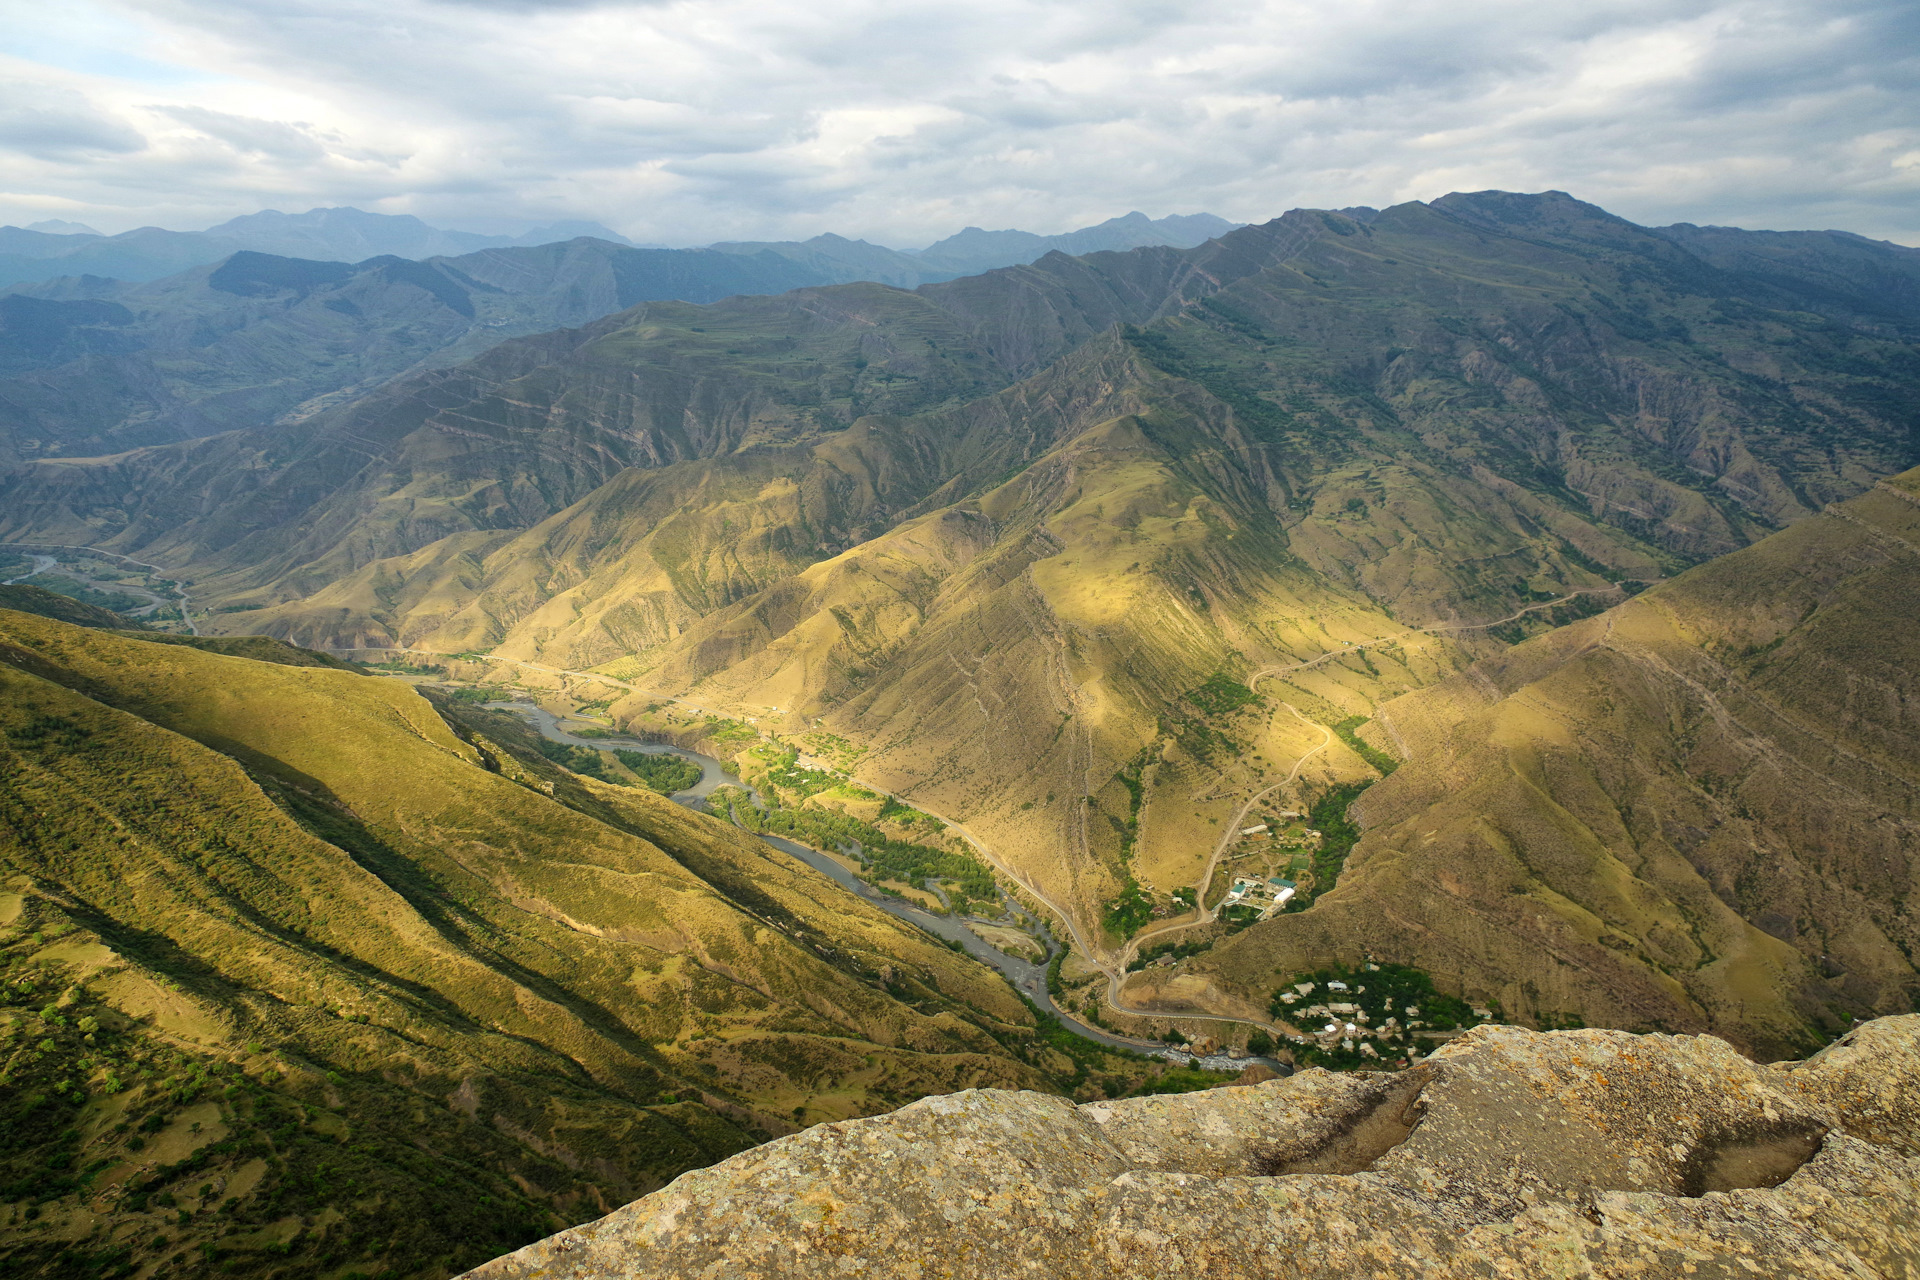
(1507, 1153)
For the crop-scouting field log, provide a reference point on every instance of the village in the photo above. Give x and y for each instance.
(1378, 1012)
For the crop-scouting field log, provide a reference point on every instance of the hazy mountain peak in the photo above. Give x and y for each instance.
(975, 249)
(569, 229)
(61, 227)
(343, 215)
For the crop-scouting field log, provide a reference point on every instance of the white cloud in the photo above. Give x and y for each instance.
(57, 125)
(687, 121)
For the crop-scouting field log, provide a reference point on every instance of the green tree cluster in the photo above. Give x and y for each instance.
(660, 770)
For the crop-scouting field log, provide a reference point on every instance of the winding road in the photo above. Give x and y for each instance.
(179, 587)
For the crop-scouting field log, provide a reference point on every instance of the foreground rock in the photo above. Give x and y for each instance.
(1508, 1153)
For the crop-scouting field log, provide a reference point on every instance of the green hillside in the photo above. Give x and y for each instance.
(304, 974)
(25, 598)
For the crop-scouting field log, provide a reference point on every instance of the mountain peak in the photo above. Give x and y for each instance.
(61, 227)
(973, 249)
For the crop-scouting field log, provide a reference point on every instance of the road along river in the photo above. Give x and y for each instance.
(1028, 978)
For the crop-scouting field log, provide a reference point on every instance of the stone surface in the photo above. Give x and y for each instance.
(1508, 1153)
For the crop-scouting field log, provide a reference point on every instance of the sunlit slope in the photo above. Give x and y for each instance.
(1699, 810)
(367, 904)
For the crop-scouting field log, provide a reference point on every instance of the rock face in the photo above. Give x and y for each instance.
(1508, 1153)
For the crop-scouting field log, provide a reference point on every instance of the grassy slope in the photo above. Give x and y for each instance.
(430, 995)
(1698, 811)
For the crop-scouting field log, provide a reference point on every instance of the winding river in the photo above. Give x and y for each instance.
(1028, 978)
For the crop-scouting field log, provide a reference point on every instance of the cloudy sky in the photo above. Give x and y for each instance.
(904, 120)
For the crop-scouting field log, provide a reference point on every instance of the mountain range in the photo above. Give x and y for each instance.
(91, 366)
(837, 260)
(48, 250)
(53, 249)
(301, 316)
(1095, 554)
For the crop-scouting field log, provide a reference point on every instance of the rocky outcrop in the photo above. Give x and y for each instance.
(1507, 1153)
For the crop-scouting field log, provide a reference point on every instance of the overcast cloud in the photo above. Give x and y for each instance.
(904, 120)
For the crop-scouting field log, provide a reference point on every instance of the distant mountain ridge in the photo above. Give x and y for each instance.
(838, 260)
(54, 248)
(974, 250)
(48, 250)
(95, 366)
(338, 301)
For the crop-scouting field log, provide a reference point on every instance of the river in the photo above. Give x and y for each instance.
(40, 565)
(1028, 978)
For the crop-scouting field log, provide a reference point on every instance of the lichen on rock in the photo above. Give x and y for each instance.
(1507, 1153)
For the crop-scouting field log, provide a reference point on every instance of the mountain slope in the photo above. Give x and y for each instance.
(424, 993)
(24, 598)
(1699, 810)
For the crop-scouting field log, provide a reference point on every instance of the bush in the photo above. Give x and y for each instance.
(967, 877)
(1181, 1080)
(1127, 913)
(582, 760)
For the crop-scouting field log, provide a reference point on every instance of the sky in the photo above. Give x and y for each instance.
(902, 121)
